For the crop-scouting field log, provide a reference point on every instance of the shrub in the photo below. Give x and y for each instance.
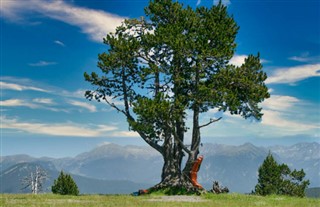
(278, 179)
(65, 185)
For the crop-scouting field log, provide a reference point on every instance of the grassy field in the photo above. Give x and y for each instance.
(50, 200)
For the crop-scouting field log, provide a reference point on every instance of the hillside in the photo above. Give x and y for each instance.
(233, 166)
(12, 176)
(313, 192)
(110, 161)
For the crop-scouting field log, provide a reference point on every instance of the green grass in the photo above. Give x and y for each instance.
(225, 200)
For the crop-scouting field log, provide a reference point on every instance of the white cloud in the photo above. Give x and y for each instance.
(85, 105)
(224, 2)
(103, 144)
(305, 58)
(59, 43)
(125, 134)
(11, 10)
(198, 2)
(238, 60)
(105, 128)
(299, 59)
(76, 94)
(42, 63)
(17, 87)
(283, 116)
(36, 103)
(17, 102)
(280, 103)
(61, 129)
(280, 111)
(96, 23)
(43, 101)
(292, 75)
(275, 119)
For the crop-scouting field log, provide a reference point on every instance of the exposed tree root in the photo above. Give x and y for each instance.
(176, 186)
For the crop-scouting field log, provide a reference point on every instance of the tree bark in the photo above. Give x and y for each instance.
(173, 177)
(195, 128)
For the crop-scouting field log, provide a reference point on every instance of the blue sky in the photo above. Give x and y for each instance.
(46, 46)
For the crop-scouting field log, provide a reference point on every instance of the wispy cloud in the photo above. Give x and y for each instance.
(85, 105)
(37, 103)
(17, 102)
(59, 43)
(279, 111)
(124, 134)
(69, 97)
(42, 63)
(305, 58)
(57, 129)
(198, 2)
(43, 101)
(18, 87)
(280, 103)
(299, 59)
(54, 129)
(275, 119)
(294, 74)
(283, 116)
(95, 23)
(106, 128)
(224, 2)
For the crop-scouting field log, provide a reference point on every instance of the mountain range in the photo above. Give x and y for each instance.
(112, 169)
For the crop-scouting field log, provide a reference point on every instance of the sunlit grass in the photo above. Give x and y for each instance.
(253, 200)
(45, 200)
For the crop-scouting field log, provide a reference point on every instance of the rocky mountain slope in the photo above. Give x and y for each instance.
(233, 166)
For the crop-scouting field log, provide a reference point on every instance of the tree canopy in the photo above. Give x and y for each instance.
(171, 63)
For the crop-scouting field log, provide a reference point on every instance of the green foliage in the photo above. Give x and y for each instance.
(65, 185)
(278, 179)
(176, 60)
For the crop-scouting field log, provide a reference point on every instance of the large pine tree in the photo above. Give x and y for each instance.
(173, 63)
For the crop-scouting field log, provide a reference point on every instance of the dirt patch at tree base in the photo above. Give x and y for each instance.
(177, 198)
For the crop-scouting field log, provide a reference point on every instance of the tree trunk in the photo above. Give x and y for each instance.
(195, 128)
(171, 171)
(173, 178)
(195, 142)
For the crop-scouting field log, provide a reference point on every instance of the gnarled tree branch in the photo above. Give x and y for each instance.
(210, 122)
